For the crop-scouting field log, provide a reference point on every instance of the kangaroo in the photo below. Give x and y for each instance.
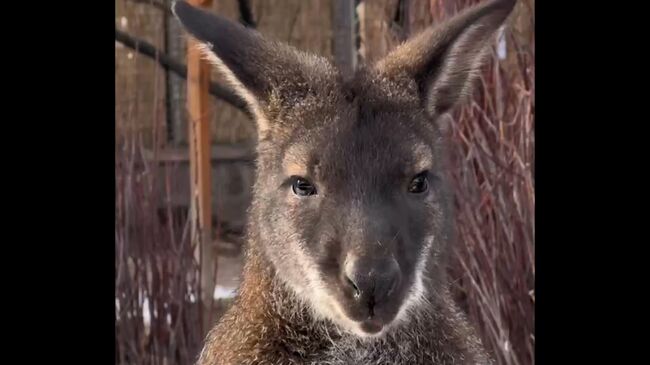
(350, 224)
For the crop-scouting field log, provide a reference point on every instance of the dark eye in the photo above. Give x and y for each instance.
(419, 184)
(303, 187)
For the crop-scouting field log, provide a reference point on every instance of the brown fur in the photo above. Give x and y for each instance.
(281, 330)
(323, 271)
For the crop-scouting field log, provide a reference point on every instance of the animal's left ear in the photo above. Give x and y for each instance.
(444, 60)
(265, 73)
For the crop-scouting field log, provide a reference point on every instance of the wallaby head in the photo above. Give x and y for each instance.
(350, 203)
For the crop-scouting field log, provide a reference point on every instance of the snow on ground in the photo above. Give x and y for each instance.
(221, 292)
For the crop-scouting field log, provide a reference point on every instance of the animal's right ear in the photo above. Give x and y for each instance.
(444, 60)
(260, 71)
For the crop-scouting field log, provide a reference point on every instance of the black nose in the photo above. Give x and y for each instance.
(372, 281)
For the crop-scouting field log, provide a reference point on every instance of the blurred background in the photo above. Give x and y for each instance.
(170, 259)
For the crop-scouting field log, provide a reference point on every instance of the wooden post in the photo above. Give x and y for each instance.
(344, 45)
(198, 81)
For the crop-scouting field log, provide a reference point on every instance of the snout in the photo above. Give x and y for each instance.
(372, 286)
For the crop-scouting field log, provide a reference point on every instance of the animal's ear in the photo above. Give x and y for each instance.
(444, 60)
(261, 71)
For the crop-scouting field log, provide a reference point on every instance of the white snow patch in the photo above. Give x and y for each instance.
(221, 292)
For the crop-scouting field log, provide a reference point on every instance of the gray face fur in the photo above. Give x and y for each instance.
(350, 200)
